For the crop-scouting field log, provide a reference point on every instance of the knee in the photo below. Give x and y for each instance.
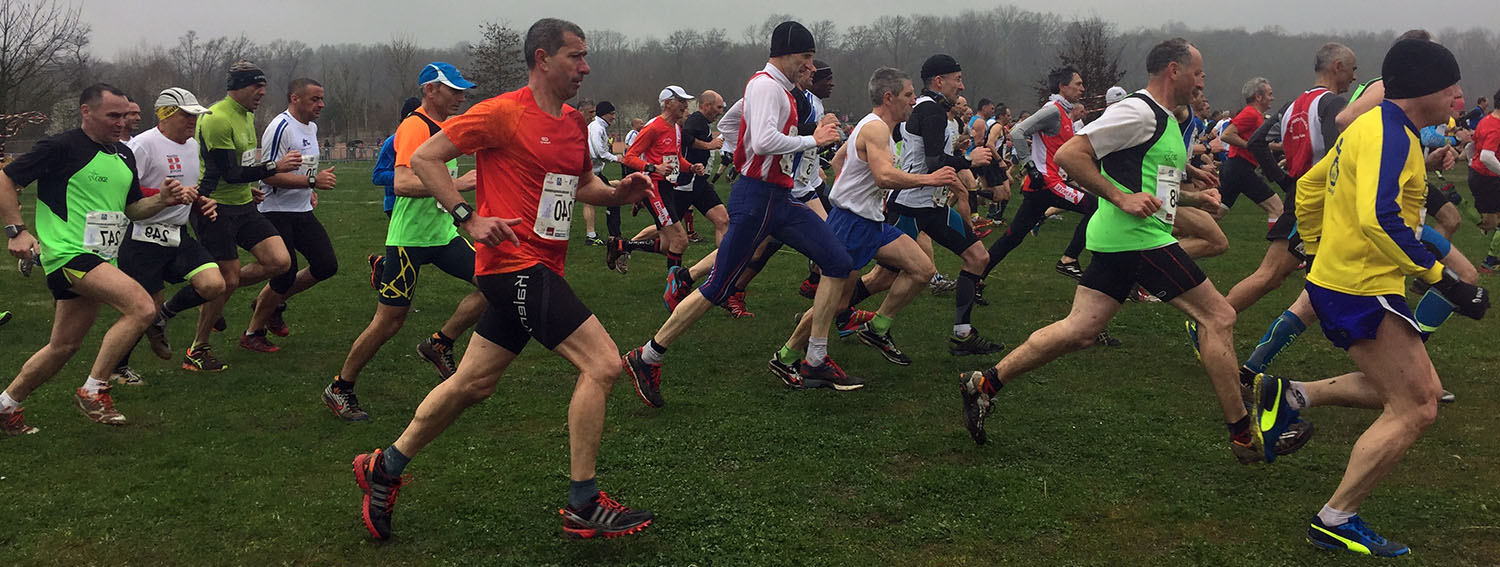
(1424, 412)
(975, 258)
(923, 272)
(210, 288)
(1217, 244)
(478, 389)
(140, 311)
(278, 262)
(1221, 317)
(602, 370)
(325, 270)
(230, 279)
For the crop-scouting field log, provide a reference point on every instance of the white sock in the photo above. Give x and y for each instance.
(8, 403)
(593, 235)
(1296, 396)
(650, 354)
(94, 386)
(817, 350)
(249, 333)
(1331, 517)
(961, 331)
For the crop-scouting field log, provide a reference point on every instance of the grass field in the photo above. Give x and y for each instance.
(1104, 457)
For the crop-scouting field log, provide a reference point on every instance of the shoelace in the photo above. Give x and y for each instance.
(1359, 527)
(608, 503)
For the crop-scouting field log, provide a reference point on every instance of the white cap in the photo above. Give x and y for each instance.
(1115, 94)
(673, 91)
(182, 99)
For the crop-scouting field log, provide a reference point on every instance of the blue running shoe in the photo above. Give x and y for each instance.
(1192, 331)
(1355, 537)
(1270, 412)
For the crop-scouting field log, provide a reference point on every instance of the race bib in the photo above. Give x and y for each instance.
(1168, 184)
(940, 196)
(787, 167)
(250, 158)
(670, 163)
(808, 168)
(103, 232)
(309, 166)
(554, 213)
(169, 235)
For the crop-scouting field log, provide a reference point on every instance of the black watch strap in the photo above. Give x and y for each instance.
(14, 230)
(461, 213)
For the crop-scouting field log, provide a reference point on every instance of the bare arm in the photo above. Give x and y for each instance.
(1232, 137)
(1077, 158)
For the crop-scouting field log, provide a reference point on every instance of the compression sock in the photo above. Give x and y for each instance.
(964, 299)
(1282, 332)
(861, 293)
(185, 299)
(647, 245)
(673, 260)
(788, 353)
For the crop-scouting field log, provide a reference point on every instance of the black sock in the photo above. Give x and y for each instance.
(656, 346)
(394, 462)
(648, 245)
(964, 299)
(438, 336)
(582, 494)
(185, 299)
(673, 260)
(861, 293)
(841, 319)
(1240, 430)
(814, 277)
(342, 387)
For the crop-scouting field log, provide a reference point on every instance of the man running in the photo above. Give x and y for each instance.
(159, 249)
(532, 154)
(1484, 182)
(289, 206)
(695, 191)
(1133, 159)
(657, 150)
(86, 194)
(1238, 174)
(601, 154)
(1365, 195)
(420, 233)
(760, 204)
(232, 167)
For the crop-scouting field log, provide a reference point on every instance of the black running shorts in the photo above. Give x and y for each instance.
(404, 263)
(702, 197)
(943, 224)
(153, 265)
(60, 281)
(1486, 190)
(533, 303)
(236, 225)
(1165, 272)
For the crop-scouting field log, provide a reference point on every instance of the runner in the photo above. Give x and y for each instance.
(760, 204)
(420, 233)
(1129, 156)
(532, 154)
(1484, 183)
(86, 191)
(601, 154)
(232, 166)
(384, 175)
(693, 190)
(657, 150)
(1365, 195)
(289, 206)
(1238, 173)
(159, 249)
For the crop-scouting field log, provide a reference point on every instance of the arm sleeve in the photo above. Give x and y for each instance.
(730, 122)
(934, 127)
(1329, 108)
(220, 163)
(1260, 147)
(1432, 139)
(135, 193)
(36, 163)
(489, 124)
(1378, 206)
(384, 174)
(763, 100)
(1045, 120)
(1487, 157)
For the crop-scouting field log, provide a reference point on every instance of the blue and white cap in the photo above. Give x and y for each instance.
(444, 73)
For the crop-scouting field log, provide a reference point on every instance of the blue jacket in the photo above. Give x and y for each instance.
(384, 174)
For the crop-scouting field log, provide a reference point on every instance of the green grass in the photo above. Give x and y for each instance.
(1102, 457)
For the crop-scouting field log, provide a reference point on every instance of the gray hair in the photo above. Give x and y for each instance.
(1329, 54)
(886, 80)
(1175, 50)
(1253, 87)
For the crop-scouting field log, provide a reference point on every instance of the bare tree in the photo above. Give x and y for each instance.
(1086, 47)
(400, 55)
(36, 39)
(498, 66)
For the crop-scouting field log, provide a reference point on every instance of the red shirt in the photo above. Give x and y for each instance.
(1246, 123)
(657, 142)
(1486, 137)
(518, 150)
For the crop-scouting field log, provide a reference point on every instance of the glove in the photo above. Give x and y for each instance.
(1468, 299)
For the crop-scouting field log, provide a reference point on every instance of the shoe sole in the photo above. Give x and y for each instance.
(1301, 441)
(888, 356)
(635, 380)
(162, 349)
(814, 383)
(1255, 411)
(196, 368)
(583, 533)
(961, 352)
(260, 350)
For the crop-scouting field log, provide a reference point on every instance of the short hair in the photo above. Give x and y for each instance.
(298, 85)
(1481, 100)
(1252, 87)
(1497, 96)
(585, 103)
(1418, 33)
(94, 93)
(548, 35)
(886, 80)
(983, 102)
(1060, 76)
(1329, 54)
(1175, 50)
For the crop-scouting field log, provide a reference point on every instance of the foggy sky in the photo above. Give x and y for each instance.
(123, 24)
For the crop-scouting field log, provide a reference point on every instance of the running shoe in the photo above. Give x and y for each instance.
(981, 222)
(440, 355)
(343, 404)
(1296, 435)
(982, 232)
(1140, 295)
(979, 295)
(808, 289)
(976, 405)
(1353, 536)
(645, 376)
(156, 336)
(127, 376)
(678, 288)
(201, 359)
(4, 317)
(1447, 397)
(1490, 265)
(829, 375)
(380, 492)
(736, 306)
(1106, 339)
(1071, 269)
(973, 344)
(1192, 333)
(605, 517)
(99, 407)
(850, 320)
(942, 284)
(615, 256)
(276, 324)
(593, 240)
(377, 267)
(13, 424)
(220, 324)
(1270, 412)
(694, 238)
(258, 343)
(788, 372)
(1247, 452)
(884, 344)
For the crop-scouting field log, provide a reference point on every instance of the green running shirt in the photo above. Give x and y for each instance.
(229, 127)
(82, 190)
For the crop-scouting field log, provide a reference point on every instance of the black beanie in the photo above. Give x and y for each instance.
(411, 105)
(939, 64)
(243, 74)
(1415, 68)
(603, 108)
(789, 38)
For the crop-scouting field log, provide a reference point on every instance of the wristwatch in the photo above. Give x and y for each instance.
(650, 168)
(14, 230)
(312, 182)
(461, 212)
(270, 167)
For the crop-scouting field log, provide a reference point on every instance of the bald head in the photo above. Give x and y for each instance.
(711, 105)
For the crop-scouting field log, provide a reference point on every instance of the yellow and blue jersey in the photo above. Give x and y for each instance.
(1365, 216)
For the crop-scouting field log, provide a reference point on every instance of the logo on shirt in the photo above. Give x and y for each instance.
(174, 165)
(546, 140)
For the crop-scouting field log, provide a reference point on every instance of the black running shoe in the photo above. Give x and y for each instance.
(380, 492)
(440, 355)
(884, 344)
(829, 375)
(1106, 339)
(973, 344)
(1070, 269)
(788, 372)
(156, 335)
(645, 376)
(202, 359)
(605, 517)
(976, 405)
(615, 256)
